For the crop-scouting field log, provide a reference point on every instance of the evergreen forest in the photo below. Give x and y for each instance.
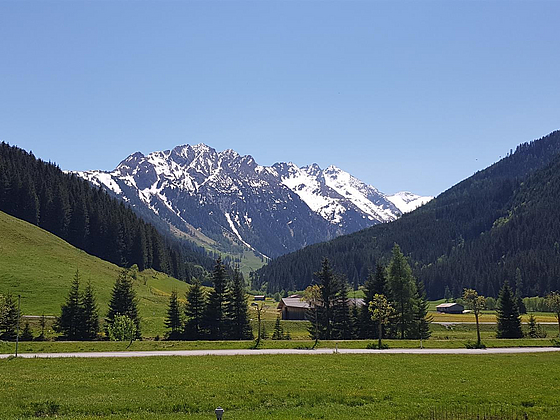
(88, 218)
(500, 224)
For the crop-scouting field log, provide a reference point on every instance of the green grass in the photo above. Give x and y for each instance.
(281, 387)
(40, 267)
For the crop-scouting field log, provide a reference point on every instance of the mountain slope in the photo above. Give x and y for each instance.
(88, 218)
(455, 239)
(236, 202)
(40, 266)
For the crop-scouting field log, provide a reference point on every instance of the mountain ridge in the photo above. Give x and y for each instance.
(270, 210)
(476, 234)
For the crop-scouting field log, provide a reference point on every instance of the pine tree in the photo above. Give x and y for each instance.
(402, 288)
(509, 320)
(173, 319)
(422, 318)
(26, 334)
(194, 311)
(534, 328)
(215, 318)
(124, 302)
(9, 317)
(342, 325)
(70, 323)
(329, 287)
(278, 332)
(43, 324)
(237, 310)
(90, 313)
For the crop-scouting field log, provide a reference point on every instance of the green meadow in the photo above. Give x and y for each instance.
(282, 387)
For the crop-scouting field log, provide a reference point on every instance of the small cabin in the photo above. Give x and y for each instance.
(450, 308)
(293, 308)
(259, 297)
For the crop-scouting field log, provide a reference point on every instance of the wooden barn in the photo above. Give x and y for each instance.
(450, 308)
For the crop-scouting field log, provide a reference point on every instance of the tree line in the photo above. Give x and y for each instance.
(333, 315)
(88, 218)
(477, 234)
(220, 314)
(508, 313)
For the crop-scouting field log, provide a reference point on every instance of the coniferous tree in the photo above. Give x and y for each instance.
(194, 312)
(534, 329)
(173, 320)
(70, 323)
(90, 313)
(124, 302)
(278, 332)
(402, 288)
(508, 318)
(342, 325)
(237, 310)
(329, 287)
(375, 284)
(216, 308)
(26, 334)
(421, 315)
(9, 317)
(43, 324)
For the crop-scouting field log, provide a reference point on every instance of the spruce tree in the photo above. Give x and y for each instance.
(237, 310)
(90, 313)
(194, 312)
(509, 320)
(124, 302)
(342, 325)
(402, 288)
(8, 317)
(215, 317)
(70, 323)
(278, 332)
(173, 320)
(329, 287)
(422, 319)
(26, 334)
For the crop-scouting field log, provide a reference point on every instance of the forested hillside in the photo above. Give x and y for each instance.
(476, 234)
(86, 217)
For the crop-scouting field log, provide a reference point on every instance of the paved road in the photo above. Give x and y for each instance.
(246, 352)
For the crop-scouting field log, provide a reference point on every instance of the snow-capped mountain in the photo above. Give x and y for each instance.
(406, 201)
(230, 198)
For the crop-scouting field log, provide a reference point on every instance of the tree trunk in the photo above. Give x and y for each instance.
(477, 329)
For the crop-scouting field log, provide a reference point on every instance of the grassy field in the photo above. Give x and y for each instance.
(44, 275)
(282, 387)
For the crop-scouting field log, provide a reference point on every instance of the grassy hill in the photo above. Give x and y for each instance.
(40, 267)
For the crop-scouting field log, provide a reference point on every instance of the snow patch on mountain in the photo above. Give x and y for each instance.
(407, 201)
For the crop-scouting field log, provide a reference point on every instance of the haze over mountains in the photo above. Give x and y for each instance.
(231, 199)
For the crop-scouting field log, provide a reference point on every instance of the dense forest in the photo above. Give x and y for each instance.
(88, 218)
(476, 234)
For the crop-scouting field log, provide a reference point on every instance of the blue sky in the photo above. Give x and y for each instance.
(404, 95)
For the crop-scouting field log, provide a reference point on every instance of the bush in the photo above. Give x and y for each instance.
(123, 328)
